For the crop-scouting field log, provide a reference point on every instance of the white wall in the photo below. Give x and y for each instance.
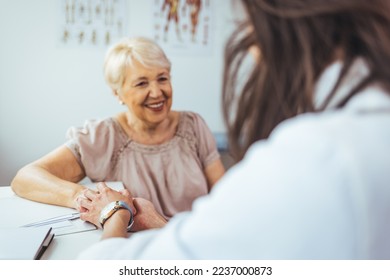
(44, 88)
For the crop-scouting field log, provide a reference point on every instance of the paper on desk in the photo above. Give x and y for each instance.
(68, 227)
(73, 226)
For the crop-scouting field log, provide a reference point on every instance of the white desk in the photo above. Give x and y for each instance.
(16, 211)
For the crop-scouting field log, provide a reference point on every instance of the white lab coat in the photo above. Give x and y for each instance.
(318, 188)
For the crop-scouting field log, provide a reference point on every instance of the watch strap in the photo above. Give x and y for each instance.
(111, 208)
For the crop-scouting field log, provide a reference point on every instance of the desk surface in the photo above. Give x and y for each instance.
(17, 211)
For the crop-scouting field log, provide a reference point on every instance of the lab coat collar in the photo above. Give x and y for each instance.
(372, 97)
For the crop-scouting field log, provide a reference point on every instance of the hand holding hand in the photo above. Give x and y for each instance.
(80, 195)
(147, 217)
(94, 201)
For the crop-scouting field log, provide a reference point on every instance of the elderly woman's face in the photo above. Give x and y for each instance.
(147, 92)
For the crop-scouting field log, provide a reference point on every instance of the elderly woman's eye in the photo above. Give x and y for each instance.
(141, 84)
(163, 79)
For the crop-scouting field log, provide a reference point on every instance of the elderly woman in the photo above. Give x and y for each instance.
(166, 157)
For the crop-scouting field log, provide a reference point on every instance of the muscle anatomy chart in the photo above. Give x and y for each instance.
(184, 26)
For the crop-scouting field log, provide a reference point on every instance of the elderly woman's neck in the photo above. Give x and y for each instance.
(149, 134)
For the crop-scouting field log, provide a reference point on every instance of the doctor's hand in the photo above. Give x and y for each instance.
(94, 201)
(147, 216)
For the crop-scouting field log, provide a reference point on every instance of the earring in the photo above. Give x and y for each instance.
(121, 102)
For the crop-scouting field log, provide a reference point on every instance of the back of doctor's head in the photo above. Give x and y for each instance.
(123, 54)
(295, 40)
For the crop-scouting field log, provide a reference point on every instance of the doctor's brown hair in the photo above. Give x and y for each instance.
(296, 40)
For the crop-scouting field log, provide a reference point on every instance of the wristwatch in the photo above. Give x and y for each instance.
(111, 208)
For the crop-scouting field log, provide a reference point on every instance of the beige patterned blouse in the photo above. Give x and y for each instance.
(169, 174)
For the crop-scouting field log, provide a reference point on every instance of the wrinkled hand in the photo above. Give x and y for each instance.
(80, 196)
(92, 202)
(147, 217)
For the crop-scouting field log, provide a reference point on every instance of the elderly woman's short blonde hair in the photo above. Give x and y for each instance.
(122, 55)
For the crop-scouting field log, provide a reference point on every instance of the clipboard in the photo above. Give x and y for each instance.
(24, 243)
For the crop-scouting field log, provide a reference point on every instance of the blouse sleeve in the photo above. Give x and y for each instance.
(93, 146)
(206, 145)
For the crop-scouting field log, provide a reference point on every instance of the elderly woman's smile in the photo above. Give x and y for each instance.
(156, 107)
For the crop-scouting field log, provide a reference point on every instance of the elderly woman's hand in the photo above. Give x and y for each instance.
(93, 202)
(79, 196)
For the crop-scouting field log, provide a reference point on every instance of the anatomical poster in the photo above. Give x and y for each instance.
(184, 26)
(91, 23)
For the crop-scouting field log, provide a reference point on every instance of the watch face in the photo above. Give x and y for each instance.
(111, 208)
(107, 212)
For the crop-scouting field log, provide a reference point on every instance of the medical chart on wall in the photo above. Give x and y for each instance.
(184, 26)
(91, 23)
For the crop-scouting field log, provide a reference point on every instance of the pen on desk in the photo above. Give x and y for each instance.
(67, 217)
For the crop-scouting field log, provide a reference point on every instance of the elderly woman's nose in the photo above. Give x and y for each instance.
(155, 90)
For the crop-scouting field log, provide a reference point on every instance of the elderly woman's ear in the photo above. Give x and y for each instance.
(116, 94)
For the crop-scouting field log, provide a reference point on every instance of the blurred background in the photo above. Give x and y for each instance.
(51, 60)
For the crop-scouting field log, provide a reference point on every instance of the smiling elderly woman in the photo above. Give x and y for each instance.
(167, 157)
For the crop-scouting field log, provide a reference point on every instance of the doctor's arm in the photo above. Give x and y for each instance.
(232, 224)
(146, 218)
